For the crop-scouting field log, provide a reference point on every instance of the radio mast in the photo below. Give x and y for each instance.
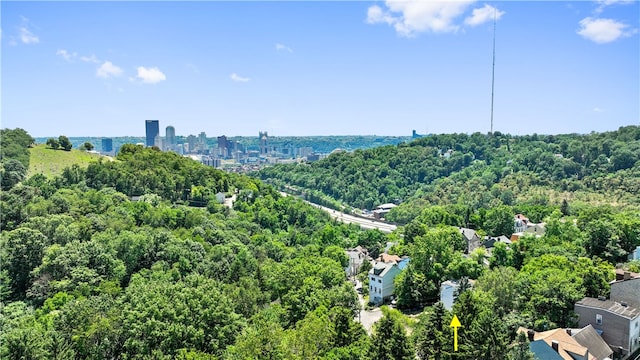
(493, 67)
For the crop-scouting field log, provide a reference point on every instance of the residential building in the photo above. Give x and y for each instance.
(388, 258)
(618, 322)
(560, 342)
(448, 290)
(520, 223)
(589, 338)
(471, 238)
(152, 130)
(381, 278)
(543, 351)
(357, 256)
(626, 288)
(635, 254)
(536, 229)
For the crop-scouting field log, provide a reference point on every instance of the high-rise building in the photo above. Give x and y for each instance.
(202, 142)
(152, 128)
(170, 138)
(223, 147)
(264, 143)
(191, 141)
(107, 146)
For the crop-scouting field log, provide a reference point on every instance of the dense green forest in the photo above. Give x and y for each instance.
(89, 273)
(476, 171)
(136, 259)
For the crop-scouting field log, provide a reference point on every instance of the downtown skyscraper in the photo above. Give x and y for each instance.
(152, 128)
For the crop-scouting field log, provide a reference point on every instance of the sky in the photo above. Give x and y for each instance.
(301, 68)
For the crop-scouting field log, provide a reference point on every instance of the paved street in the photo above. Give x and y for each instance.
(364, 223)
(350, 219)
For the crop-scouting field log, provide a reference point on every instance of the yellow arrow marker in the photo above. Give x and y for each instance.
(455, 324)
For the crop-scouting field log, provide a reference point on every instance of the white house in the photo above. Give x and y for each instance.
(357, 256)
(447, 290)
(381, 278)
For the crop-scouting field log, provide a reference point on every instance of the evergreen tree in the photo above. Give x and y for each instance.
(432, 337)
(389, 341)
(520, 351)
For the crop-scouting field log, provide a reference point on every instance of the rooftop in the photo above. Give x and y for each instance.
(589, 337)
(613, 307)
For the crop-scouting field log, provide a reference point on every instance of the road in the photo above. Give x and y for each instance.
(364, 223)
(350, 219)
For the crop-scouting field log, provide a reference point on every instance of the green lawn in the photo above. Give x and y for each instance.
(49, 162)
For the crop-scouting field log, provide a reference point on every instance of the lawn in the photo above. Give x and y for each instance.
(49, 162)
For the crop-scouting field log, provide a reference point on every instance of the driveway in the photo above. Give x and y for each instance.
(367, 317)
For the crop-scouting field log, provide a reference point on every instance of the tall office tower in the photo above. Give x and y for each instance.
(202, 141)
(107, 145)
(223, 150)
(191, 141)
(264, 143)
(152, 128)
(170, 138)
(159, 142)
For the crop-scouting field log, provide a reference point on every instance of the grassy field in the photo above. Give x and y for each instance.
(51, 162)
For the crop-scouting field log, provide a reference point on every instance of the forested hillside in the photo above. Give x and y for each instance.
(477, 171)
(137, 259)
(87, 272)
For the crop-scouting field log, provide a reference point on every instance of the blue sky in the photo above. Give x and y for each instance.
(319, 68)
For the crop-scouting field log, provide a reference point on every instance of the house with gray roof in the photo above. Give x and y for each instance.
(618, 322)
(381, 278)
(627, 289)
(589, 338)
(471, 238)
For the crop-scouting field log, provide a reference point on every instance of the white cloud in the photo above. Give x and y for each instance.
(483, 15)
(598, 110)
(411, 17)
(107, 70)
(65, 54)
(237, 78)
(282, 47)
(151, 75)
(603, 31)
(27, 37)
(90, 59)
(602, 4)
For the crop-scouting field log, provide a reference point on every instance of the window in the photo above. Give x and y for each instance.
(598, 319)
(380, 281)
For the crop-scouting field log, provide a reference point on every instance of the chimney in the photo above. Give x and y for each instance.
(531, 334)
(555, 345)
(569, 332)
(602, 298)
(626, 275)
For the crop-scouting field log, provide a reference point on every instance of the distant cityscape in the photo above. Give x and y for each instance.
(242, 154)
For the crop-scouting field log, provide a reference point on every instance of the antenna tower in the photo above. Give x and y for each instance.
(493, 67)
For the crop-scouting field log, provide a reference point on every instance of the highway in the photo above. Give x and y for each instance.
(364, 223)
(350, 219)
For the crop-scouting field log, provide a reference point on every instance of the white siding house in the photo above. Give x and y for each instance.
(381, 278)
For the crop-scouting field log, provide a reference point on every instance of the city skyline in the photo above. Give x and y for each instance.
(319, 68)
